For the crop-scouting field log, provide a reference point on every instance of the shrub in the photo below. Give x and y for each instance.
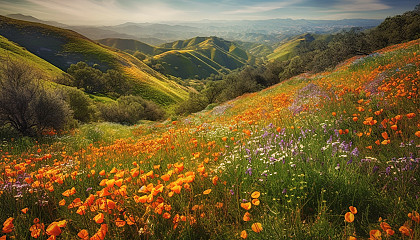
(196, 102)
(82, 106)
(130, 109)
(25, 104)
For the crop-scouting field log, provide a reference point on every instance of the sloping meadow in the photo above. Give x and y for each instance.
(327, 156)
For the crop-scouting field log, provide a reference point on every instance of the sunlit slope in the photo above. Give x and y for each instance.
(10, 50)
(131, 45)
(63, 47)
(200, 57)
(289, 49)
(386, 81)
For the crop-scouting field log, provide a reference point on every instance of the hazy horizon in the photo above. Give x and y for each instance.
(106, 12)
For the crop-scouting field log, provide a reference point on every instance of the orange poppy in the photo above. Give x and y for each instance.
(385, 226)
(119, 222)
(53, 229)
(62, 202)
(415, 216)
(349, 217)
(166, 215)
(255, 201)
(83, 234)
(411, 115)
(256, 227)
(246, 206)
(255, 194)
(375, 234)
(390, 232)
(176, 189)
(247, 217)
(8, 225)
(244, 235)
(99, 218)
(69, 192)
(25, 210)
(353, 209)
(207, 191)
(214, 180)
(405, 230)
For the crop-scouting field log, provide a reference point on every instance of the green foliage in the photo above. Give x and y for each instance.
(82, 106)
(92, 80)
(196, 102)
(397, 29)
(129, 110)
(26, 104)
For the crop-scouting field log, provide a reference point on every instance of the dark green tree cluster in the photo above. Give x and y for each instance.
(93, 80)
(129, 110)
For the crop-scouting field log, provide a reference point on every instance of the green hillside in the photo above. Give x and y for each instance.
(62, 48)
(197, 57)
(256, 49)
(11, 50)
(200, 57)
(131, 46)
(288, 49)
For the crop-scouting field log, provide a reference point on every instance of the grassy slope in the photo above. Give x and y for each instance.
(203, 57)
(288, 49)
(63, 47)
(132, 45)
(9, 49)
(195, 178)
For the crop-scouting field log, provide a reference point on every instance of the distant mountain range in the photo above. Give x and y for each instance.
(261, 31)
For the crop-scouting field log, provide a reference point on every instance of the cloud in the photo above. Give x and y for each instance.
(360, 5)
(262, 7)
(104, 11)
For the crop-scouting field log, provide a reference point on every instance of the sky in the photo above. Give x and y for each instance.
(109, 12)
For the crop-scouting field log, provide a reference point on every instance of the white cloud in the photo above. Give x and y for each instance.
(104, 12)
(263, 7)
(360, 5)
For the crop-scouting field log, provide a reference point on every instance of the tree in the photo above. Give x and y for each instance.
(25, 104)
(89, 78)
(130, 109)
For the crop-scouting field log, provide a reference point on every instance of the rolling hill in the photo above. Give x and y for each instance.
(200, 57)
(62, 47)
(288, 49)
(197, 57)
(131, 46)
(12, 51)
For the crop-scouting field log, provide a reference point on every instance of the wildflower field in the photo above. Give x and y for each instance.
(326, 156)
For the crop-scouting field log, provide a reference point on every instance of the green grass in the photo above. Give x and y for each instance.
(9, 49)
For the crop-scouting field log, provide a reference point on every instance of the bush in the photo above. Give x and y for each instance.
(82, 106)
(129, 110)
(25, 104)
(195, 103)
